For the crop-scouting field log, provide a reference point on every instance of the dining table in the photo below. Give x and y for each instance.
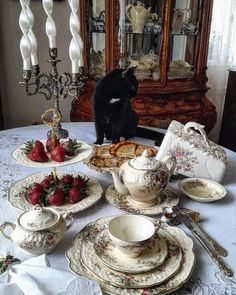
(217, 218)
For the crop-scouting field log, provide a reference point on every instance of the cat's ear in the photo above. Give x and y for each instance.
(128, 71)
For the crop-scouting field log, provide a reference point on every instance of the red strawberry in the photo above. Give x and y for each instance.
(35, 197)
(58, 154)
(39, 144)
(71, 147)
(67, 179)
(51, 143)
(45, 183)
(35, 151)
(36, 187)
(74, 195)
(79, 182)
(57, 198)
(37, 155)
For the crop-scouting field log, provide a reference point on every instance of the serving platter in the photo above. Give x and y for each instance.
(172, 284)
(152, 257)
(94, 193)
(19, 156)
(169, 198)
(108, 157)
(202, 190)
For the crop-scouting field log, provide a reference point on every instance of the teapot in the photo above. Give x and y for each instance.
(38, 230)
(143, 178)
(137, 14)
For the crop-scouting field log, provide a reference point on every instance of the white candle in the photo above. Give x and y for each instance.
(122, 14)
(51, 30)
(25, 44)
(32, 38)
(76, 44)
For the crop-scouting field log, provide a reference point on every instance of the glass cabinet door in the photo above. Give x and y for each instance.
(143, 27)
(97, 30)
(183, 38)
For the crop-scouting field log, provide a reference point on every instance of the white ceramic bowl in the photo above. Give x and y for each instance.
(202, 190)
(131, 234)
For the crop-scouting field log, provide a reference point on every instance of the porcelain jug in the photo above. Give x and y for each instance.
(143, 179)
(38, 231)
(138, 15)
(180, 16)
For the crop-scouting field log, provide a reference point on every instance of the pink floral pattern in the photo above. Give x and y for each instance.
(185, 160)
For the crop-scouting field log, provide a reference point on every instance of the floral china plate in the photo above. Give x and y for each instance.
(94, 193)
(169, 198)
(202, 190)
(151, 258)
(88, 235)
(153, 277)
(19, 156)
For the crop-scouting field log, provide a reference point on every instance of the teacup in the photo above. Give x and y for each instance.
(131, 234)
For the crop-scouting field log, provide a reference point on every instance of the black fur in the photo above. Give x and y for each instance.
(112, 110)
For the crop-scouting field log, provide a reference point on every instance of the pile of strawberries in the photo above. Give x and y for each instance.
(58, 151)
(56, 192)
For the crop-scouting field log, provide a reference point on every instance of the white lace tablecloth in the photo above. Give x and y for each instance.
(218, 219)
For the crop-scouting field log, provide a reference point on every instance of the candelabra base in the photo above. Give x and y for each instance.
(59, 132)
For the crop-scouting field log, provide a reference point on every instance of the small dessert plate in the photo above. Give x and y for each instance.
(202, 190)
(150, 258)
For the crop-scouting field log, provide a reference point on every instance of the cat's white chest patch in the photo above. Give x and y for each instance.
(113, 100)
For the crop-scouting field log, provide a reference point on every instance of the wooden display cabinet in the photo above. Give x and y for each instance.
(170, 53)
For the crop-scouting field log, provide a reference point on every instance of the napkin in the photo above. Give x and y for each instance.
(35, 277)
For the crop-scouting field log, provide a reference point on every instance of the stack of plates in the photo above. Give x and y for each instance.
(160, 269)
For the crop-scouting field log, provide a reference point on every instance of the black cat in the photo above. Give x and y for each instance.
(112, 110)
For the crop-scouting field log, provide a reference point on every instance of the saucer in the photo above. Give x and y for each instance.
(150, 258)
(169, 198)
(158, 275)
(88, 235)
(202, 190)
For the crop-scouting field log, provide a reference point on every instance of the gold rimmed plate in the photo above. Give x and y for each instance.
(152, 257)
(169, 198)
(20, 157)
(94, 192)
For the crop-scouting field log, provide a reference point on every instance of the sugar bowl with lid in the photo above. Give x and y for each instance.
(38, 230)
(143, 179)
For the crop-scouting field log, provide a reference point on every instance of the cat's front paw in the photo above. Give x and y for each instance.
(98, 141)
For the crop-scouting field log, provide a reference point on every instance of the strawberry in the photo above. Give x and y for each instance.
(45, 183)
(58, 154)
(32, 143)
(57, 198)
(71, 147)
(79, 182)
(74, 195)
(34, 150)
(67, 179)
(51, 143)
(35, 197)
(36, 187)
(37, 155)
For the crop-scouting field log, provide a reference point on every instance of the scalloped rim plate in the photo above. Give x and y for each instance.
(170, 198)
(150, 258)
(95, 192)
(19, 156)
(91, 230)
(202, 189)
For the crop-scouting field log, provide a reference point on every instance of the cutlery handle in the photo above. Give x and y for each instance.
(219, 262)
(220, 250)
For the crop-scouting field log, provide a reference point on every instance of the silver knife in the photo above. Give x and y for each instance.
(189, 223)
